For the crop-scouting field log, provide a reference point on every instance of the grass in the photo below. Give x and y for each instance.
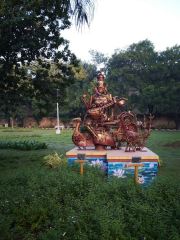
(37, 202)
(169, 155)
(63, 143)
(59, 143)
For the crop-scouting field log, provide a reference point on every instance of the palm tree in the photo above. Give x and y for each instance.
(82, 11)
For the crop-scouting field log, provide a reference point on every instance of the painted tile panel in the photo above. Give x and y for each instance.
(121, 169)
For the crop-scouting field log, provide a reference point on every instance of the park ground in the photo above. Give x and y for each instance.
(38, 202)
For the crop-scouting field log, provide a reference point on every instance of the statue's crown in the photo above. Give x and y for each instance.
(100, 76)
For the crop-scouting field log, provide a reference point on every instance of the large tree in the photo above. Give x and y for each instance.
(30, 30)
(70, 100)
(85, 80)
(149, 79)
(132, 69)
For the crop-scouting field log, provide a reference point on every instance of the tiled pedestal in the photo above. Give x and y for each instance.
(116, 162)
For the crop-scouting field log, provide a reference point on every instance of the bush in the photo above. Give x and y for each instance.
(23, 145)
(160, 162)
(53, 161)
(61, 204)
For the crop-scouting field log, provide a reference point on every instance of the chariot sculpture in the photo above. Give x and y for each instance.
(105, 131)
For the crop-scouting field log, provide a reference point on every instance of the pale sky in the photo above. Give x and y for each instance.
(120, 23)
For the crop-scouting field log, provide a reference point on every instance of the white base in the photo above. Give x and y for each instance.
(58, 131)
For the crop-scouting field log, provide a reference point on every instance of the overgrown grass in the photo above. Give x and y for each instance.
(37, 202)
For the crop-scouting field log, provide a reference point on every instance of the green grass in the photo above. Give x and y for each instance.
(63, 143)
(169, 155)
(59, 143)
(38, 202)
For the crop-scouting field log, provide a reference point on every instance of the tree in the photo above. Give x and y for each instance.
(100, 60)
(150, 80)
(85, 81)
(163, 95)
(170, 79)
(132, 69)
(20, 114)
(31, 30)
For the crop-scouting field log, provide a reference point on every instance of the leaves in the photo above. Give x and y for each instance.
(149, 79)
(53, 161)
(23, 145)
(59, 201)
(31, 32)
(86, 75)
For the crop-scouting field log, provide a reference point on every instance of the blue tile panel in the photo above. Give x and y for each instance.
(71, 160)
(100, 161)
(146, 173)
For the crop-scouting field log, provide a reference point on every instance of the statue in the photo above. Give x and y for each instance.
(99, 126)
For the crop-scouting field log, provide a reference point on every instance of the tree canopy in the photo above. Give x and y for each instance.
(149, 79)
(30, 31)
(85, 81)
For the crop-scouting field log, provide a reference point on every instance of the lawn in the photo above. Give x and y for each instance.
(38, 202)
(13, 159)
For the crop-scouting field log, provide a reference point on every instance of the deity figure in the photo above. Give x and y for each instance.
(97, 115)
(99, 124)
(100, 101)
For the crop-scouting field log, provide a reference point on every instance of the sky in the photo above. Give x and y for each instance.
(120, 23)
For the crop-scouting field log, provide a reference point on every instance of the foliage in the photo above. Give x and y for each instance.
(18, 114)
(83, 129)
(129, 68)
(32, 51)
(69, 99)
(53, 161)
(59, 203)
(23, 145)
(99, 59)
(160, 162)
(149, 79)
(21, 113)
(85, 81)
(46, 203)
(16, 129)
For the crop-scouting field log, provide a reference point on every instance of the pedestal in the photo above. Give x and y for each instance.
(116, 162)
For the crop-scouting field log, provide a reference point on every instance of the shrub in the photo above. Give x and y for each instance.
(160, 162)
(23, 145)
(61, 204)
(53, 161)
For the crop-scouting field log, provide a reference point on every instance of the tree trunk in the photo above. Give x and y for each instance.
(12, 123)
(177, 121)
(9, 121)
(150, 107)
(177, 125)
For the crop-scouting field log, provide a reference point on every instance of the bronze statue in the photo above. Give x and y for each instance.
(99, 126)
